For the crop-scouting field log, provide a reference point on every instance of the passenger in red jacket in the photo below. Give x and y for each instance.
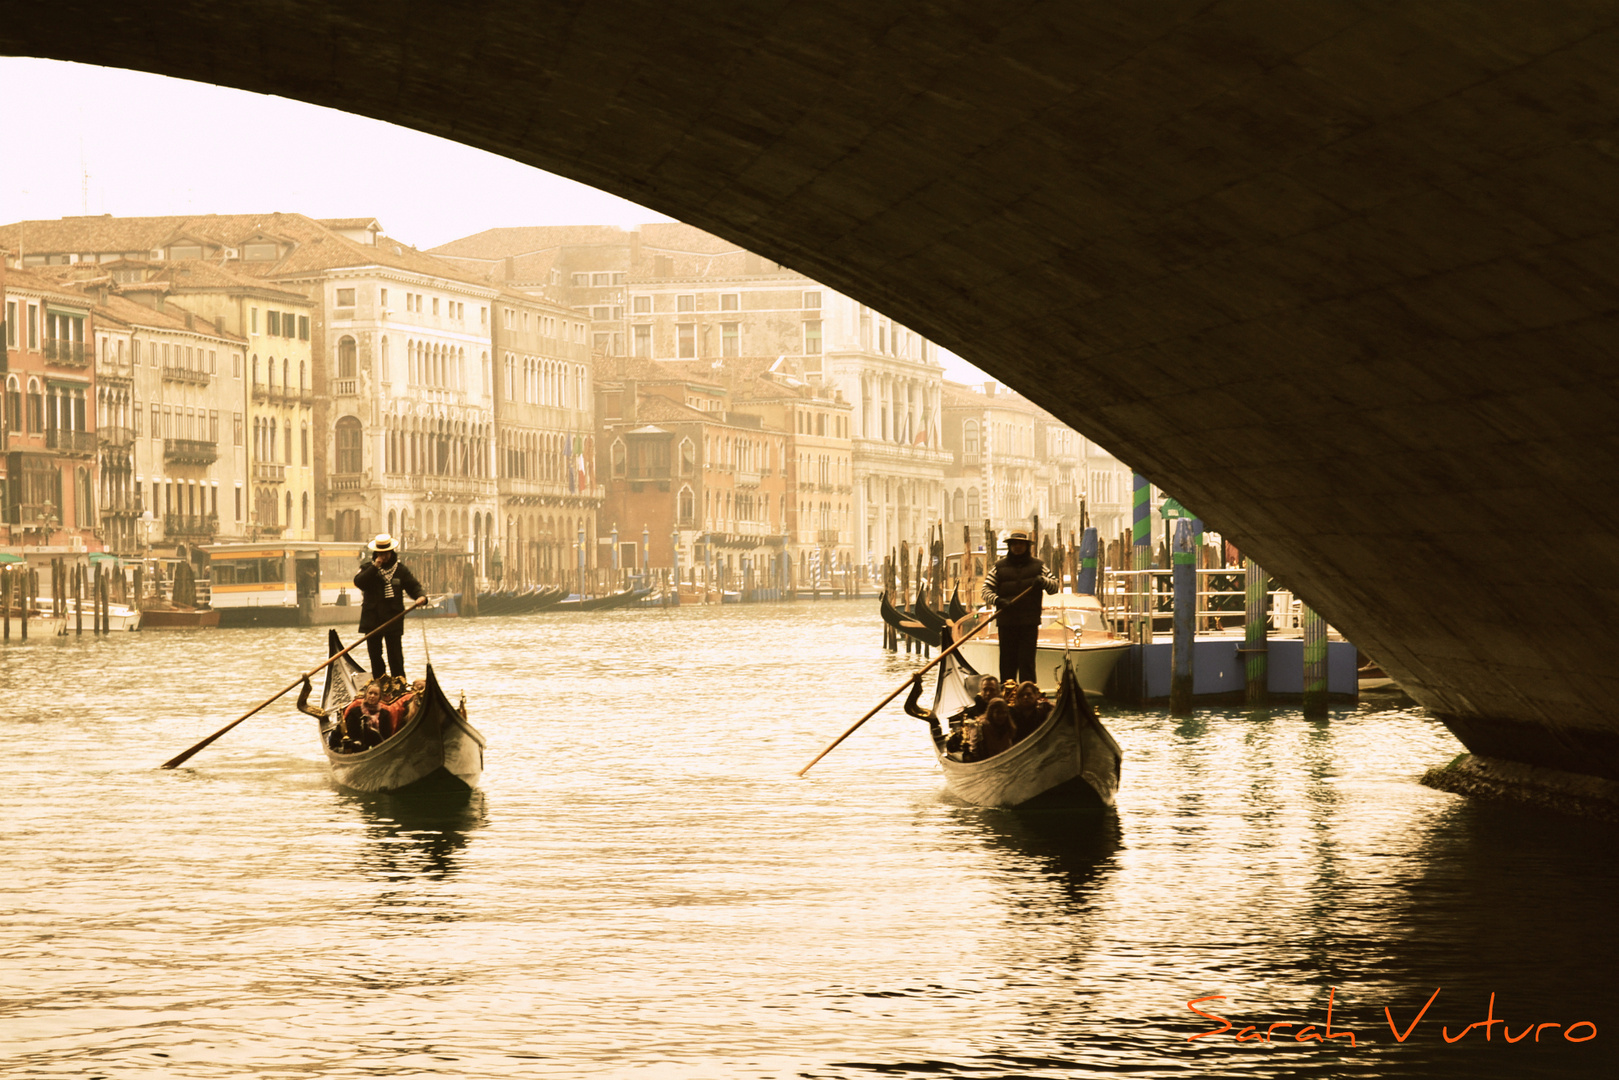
(368, 721)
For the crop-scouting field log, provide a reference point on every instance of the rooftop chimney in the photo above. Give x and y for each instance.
(989, 388)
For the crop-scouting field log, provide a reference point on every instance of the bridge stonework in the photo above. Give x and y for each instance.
(1341, 277)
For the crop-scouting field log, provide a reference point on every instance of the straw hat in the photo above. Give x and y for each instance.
(383, 542)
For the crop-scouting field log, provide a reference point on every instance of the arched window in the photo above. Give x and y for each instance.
(347, 359)
(13, 412)
(958, 506)
(383, 374)
(688, 457)
(687, 508)
(618, 459)
(969, 437)
(303, 373)
(255, 369)
(36, 406)
(973, 511)
(349, 445)
(306, 510)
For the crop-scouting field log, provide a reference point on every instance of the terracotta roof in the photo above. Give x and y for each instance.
(617, 368)
(655, 408)
(121, 309)
(33, 281)
(315, 246)
(350, 223)
(206, 275)
(675, 236)
(496, 244)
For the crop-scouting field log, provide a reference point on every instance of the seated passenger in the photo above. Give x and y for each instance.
(1029, 710)
(368, 721)
(991, 735)
(989, 688)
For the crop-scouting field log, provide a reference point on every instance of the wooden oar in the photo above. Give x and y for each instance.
(180, 759)
(906, 684)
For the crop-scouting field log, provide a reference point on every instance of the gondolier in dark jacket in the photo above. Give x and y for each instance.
(1019, 622)
(385, 582)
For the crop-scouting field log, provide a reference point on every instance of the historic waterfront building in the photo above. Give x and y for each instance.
(273, 373)
(704, 481)
(545, 438)
(47, 424)
(1013, 463)
(400, 376)
(185, 420)
(820, 462)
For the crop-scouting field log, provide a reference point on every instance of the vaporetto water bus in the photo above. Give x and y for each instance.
(285, 583)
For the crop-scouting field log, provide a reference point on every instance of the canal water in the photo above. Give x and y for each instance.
(644, 888)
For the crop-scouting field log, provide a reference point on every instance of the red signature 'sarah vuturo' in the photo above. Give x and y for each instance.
(1310, 1032)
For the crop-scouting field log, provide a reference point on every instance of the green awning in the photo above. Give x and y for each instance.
(102, 556)
(1172, 509)
(6, 556)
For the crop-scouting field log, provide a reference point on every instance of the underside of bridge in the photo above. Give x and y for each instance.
(1340, 276)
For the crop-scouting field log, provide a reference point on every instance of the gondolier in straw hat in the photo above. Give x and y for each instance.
(1019, 628)
(384, 581)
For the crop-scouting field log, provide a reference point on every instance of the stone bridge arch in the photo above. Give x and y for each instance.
(1341, 277)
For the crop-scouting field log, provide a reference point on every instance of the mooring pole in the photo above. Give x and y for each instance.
(1315, 663)
(1141, 535)
(1183, 570)
(1085, 582)
(1255, 643)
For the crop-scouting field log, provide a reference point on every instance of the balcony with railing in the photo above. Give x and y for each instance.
(826, 536)
(261, 391)
(347, 482)
(190, 451)
(182, 374)
(306, 395)
(747, 479)
(268, 473)
(114, 436)
(345, 387)
(436, 486)
(67, 441)
(190, 524)
(65, 353)
(111, 371)
(121, 503)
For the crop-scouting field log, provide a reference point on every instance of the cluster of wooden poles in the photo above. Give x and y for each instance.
(20, 598)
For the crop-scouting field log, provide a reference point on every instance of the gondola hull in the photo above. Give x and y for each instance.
(1070, 760)
(435, 750)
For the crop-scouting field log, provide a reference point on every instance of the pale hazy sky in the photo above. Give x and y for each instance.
(109, 141)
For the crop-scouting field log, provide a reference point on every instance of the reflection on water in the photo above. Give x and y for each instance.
(416, 837)
(1072, 849)
(645, 888)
